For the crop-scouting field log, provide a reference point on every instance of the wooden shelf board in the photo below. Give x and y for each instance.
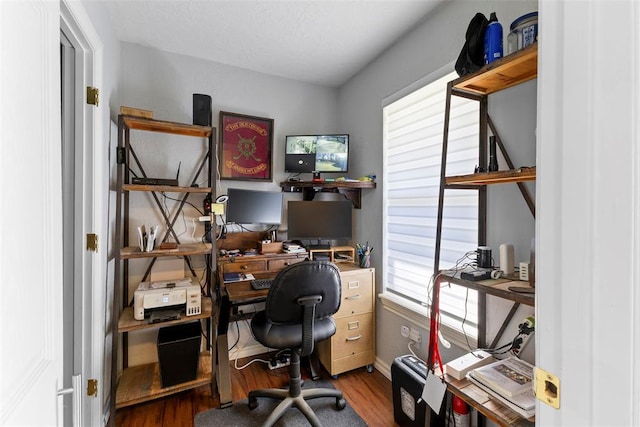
(131, 252)
(496, 287)
(504, 73)
(481, 401)
(127, 323)
(165, 188)
(499, 177)
(151, 125)
(328, 184)
(139, 384)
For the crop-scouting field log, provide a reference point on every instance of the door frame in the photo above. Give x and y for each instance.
(91, 266)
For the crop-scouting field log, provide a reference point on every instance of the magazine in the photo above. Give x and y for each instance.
(524, 404)
(508, 377)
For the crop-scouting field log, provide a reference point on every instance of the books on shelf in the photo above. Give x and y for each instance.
(523, 404)
(508, 377)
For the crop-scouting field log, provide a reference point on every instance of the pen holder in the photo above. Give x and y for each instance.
(365, 261)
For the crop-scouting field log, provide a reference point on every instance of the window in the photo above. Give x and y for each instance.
(412, 135)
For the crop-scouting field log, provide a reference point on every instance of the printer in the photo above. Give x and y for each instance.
(169, 295)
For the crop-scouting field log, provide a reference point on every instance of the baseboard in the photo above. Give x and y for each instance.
(248, 351)
(382, 367)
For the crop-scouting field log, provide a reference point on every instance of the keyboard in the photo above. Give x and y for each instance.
(259, 284)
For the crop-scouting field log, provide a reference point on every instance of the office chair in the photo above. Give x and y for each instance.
(297, 314)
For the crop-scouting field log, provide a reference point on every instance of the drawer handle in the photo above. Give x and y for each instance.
(353, 297)
(245, 267)
(356, 338)
(287, 264)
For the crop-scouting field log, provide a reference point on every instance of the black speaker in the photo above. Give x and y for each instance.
(201, 109)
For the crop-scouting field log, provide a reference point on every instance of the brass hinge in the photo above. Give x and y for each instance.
(92, 388)
(121, 155)
(93, 94)
(92, 242)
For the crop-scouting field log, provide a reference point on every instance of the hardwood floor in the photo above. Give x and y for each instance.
(369, 394)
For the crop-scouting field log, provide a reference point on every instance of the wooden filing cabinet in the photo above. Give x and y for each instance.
(353, 345)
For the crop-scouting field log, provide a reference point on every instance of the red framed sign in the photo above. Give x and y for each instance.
(245, 147)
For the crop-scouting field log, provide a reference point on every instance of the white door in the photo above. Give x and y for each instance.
(30, 214)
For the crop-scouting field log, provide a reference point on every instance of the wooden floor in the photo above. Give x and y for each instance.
(369, 394)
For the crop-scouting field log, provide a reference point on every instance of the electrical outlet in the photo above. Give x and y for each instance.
(404, 331)
(414, 335)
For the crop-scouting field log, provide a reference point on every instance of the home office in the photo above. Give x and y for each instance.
(570, 219)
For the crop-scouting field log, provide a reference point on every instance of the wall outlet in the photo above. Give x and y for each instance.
(414, 335)
(404, 331)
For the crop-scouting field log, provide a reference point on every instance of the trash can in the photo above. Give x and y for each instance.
(178, 352)
(408, 375)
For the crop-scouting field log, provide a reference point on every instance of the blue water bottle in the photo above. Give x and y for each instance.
(493, 40)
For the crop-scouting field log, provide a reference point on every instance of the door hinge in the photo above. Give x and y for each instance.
(121, 155)
(92, 388)
(92, 242)
(93, 94)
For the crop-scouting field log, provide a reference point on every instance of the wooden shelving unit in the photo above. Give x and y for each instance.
(507, 72)
(131, 385)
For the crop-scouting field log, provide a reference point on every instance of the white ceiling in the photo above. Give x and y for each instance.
(318, 41)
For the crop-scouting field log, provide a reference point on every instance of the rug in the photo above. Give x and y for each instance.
(240, 415)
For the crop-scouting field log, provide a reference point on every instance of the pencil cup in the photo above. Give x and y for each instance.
(365, 261)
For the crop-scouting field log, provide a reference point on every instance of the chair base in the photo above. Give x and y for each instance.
(299, 402)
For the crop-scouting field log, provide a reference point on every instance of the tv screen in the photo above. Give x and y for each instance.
(317, 153)
(319, 220)
(254, 207)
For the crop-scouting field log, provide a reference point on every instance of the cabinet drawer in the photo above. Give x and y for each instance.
(357, 295)
(244, 266)
(279, 264)
(353, 335)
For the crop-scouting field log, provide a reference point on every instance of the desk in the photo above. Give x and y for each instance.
(353, 345)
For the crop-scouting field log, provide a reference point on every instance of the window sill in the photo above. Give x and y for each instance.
(419, 316)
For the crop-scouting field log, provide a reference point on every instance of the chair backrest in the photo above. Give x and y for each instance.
(299, 280)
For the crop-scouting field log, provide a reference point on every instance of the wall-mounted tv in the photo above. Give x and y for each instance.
(254, 207)
(316, 153)
(319, 220)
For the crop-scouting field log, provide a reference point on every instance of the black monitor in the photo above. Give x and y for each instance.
(254, 207)
(316, 153)
(319, 220)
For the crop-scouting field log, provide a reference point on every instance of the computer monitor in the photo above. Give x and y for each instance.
(319, 220)
(317, 153)
(254, 207)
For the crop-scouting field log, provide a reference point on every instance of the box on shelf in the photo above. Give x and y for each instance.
(270, 248)
(137, 112)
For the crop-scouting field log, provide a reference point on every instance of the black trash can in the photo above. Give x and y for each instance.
(178, 352)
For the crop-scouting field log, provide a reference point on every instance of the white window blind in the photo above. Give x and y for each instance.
(413, 131)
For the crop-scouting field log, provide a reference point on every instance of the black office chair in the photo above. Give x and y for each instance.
(297, 314)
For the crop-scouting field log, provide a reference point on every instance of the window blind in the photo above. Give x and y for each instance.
(412, 139)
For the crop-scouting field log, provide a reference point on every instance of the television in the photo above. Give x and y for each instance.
(254, 207)
(316, 153)
(319, 220)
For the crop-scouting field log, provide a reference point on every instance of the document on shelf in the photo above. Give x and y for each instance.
(147, 241)
(508, 377)
(524, 403)
(236, 277)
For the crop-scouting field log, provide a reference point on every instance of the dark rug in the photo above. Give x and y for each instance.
(240, 415)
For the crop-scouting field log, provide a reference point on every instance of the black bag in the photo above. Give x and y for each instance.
(471, 57)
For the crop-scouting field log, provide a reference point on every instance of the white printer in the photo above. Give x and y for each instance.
(178, 294)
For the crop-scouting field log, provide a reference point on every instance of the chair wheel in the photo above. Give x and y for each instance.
(369, 368)
(340, 404)
(252, 403)
(335, 377)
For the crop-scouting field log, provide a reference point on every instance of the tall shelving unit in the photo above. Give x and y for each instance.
(137, 384)
(512, 70)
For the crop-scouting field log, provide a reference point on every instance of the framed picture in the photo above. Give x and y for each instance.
(245, 147)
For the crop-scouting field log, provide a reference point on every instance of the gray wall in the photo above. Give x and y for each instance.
(434, 44)
(164, 83)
